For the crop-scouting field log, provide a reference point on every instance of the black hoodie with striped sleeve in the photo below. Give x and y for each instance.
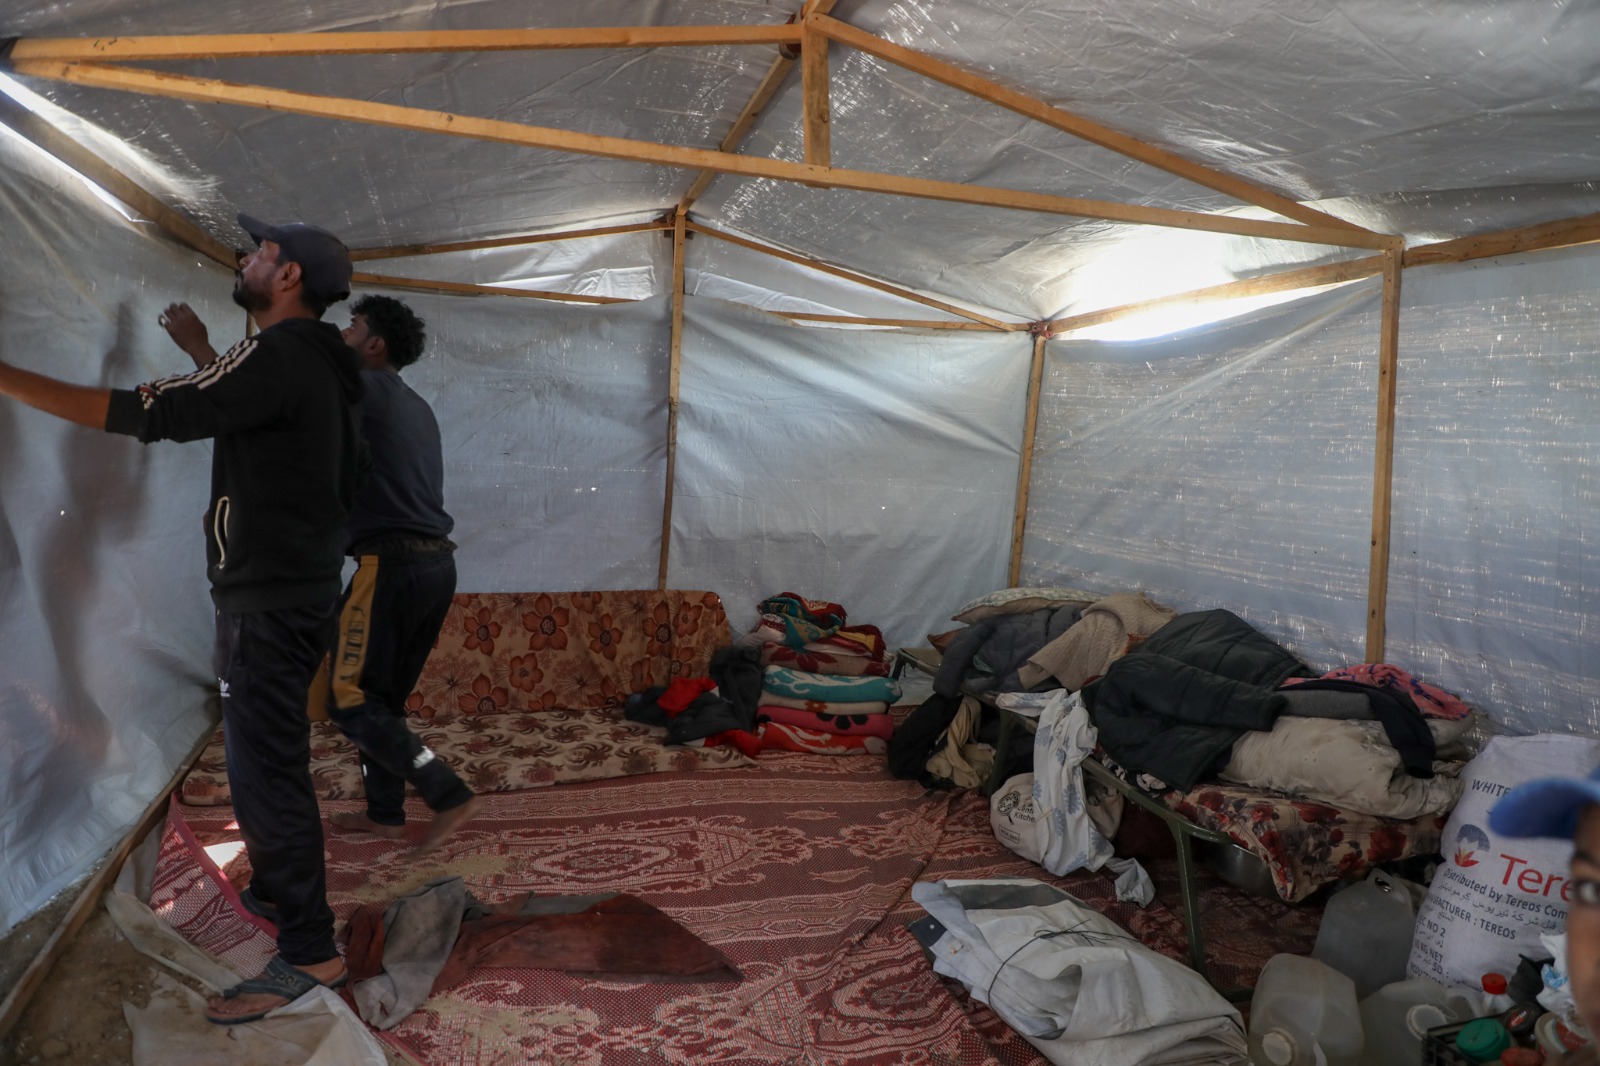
(284, 409)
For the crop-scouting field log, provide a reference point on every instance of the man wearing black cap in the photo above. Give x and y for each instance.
(282, 407)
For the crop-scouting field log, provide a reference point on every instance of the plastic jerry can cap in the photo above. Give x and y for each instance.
(1425, 1016)
(1279, 1048)
(1483, 1040)
(1494, 984)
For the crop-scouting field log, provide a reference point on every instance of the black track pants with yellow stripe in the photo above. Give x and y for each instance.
(389, 618)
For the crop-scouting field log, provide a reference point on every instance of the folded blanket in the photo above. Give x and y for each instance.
(830, 688)
(781, 737)
(823, 662)
(864, 725)
(772, 699)
(1346, 764)
(800, 619)
(1432, 701)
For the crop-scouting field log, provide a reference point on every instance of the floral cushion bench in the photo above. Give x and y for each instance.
(524, 690)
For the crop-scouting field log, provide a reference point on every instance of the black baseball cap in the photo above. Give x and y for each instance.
(324, 260)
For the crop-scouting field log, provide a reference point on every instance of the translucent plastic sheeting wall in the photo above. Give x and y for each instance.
(105, 620)
(724, 270)
(1229, 466)
(554, 421)
(1495, 584)
(875, 469)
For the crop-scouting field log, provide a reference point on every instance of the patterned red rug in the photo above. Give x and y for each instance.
(798, 870)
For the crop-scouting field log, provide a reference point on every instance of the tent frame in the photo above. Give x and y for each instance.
(806, 40)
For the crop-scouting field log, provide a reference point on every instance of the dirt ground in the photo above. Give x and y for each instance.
(75, 1018)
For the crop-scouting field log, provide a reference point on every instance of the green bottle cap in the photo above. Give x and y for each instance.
(1483, 1039)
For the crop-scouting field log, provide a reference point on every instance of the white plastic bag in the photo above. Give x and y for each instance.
(1011, 816)
(1494, 896)
(1068, 839)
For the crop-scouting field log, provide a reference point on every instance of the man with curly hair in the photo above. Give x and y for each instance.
(395, 604)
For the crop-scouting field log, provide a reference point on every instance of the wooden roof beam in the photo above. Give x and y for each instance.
(209, 90)
(1289, 280)
(460, 288)
(405, 251)
(1030, 107)
(770, 84)
(859, 279)
(1565, 233)
(53, 142)
(897, 323)
(241, 45)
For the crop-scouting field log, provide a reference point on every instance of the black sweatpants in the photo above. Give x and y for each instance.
(265, 661)
(389, 618)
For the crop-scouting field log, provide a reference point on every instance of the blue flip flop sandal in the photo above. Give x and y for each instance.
(278, 979)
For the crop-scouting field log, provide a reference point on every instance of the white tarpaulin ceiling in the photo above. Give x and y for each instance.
(1431, 120)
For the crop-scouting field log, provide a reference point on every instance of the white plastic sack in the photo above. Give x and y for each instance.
(1494, 896)
(1078, 986)
(1068, 839)
(1012, 818)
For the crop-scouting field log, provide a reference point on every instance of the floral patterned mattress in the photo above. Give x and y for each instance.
(492, 753)
(524, 690)
(1304, 844)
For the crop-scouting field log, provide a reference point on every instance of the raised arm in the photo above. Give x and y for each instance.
(83, 404)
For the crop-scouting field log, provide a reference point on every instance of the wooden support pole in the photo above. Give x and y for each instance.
(814, 105)
(235, 45)
(1030, 107)
(461, 288)
(405, 251)
(1383, 459)
(859, 279)
(70, 153)
(210, 90)
(675, 365)
(1030, 431)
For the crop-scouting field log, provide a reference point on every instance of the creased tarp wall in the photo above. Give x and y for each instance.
(1495, 587)
(554, 419)
(1229, 466)
(105, 621)
(876, 469)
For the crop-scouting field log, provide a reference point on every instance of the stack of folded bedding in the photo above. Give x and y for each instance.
(811, 635)
(826, 712)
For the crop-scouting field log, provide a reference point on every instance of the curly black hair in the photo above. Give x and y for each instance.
(392, 320)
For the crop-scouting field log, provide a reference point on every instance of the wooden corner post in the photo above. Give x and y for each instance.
(675, 362)
(1030, 429)
(1383, 457)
